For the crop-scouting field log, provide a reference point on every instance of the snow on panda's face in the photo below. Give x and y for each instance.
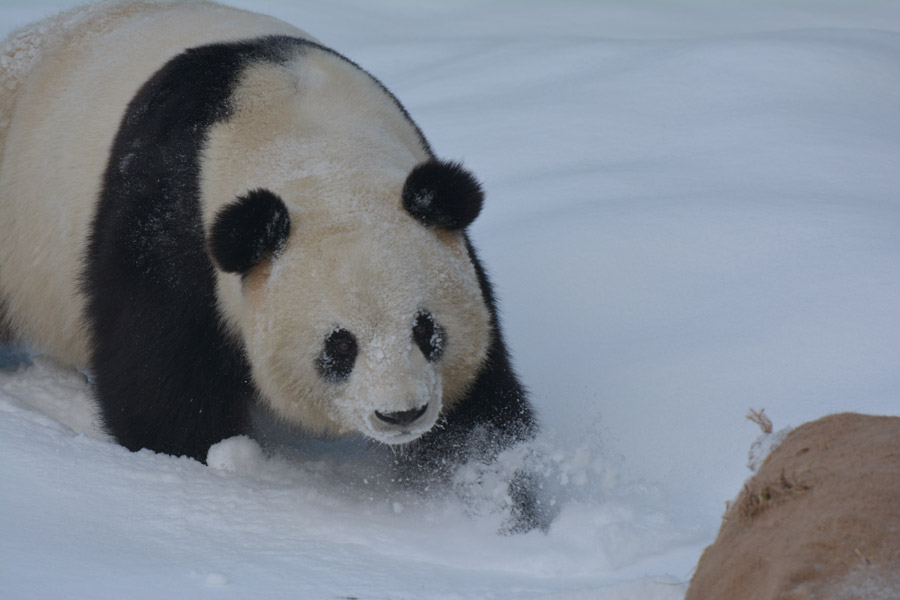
(373, 330)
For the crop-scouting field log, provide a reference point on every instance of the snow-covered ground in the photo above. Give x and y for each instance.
(693, 210)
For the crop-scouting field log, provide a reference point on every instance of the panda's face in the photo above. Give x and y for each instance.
(341, 262)
(372, 329)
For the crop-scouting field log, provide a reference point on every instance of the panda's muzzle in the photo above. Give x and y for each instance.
(402, 426)
(402, 418)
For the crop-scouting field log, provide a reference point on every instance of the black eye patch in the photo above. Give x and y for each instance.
(428, 336)
(338, 355)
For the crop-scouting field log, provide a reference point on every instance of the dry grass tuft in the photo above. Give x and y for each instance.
(753, 502)
(759, 417)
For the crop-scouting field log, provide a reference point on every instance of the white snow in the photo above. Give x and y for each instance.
(692, 210)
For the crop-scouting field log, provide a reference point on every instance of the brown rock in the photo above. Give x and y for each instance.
(820, 520)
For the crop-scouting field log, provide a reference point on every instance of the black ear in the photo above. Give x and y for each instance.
(442, 194)
(245, 231)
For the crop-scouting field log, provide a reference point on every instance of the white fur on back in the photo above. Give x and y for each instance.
(65, 84)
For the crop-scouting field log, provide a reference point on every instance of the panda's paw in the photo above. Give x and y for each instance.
(510, 485)
(530, 509)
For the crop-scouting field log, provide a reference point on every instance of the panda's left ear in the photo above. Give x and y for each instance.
(443, 194)
(256, 225)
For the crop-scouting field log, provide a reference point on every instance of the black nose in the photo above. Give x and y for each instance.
(402, 418)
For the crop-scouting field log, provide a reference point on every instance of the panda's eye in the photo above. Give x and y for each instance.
(429, 337)
(344, 347)
(338, 355)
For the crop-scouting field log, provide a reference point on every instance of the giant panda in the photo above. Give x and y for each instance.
(214, 215)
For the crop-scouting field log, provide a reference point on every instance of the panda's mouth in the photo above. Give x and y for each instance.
(403, 418)
(400, 427)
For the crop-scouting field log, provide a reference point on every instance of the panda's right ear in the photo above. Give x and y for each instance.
(256, 225)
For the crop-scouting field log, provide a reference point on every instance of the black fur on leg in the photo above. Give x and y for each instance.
(167, 375)
(256, 225)
(442, 194)
(528, 512)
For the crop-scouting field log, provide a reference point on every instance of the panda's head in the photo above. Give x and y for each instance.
(366, 320)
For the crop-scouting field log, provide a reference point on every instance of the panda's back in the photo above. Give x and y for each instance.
(67, 82)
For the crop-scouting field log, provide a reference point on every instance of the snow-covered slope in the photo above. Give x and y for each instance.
(692, 210)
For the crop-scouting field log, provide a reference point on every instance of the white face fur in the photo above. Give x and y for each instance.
(355, 262)
(371, 286)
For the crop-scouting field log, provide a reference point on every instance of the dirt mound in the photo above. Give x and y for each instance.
(819, 520)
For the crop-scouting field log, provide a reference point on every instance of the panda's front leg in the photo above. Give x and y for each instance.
(494, 417)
